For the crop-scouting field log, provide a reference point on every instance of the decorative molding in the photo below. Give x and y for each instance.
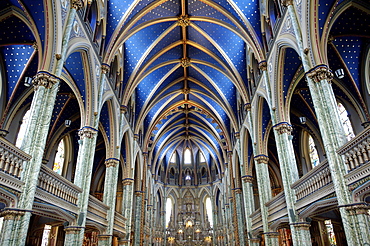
(44, 79)
(283, 127)
(261, 159)
(185, 62)
(76, 4)
(319, 73)
(87, 131)
(183, 20)
(111, 162)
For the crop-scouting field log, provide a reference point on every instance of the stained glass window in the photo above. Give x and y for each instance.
(343, 114)
(187, 156)
(209, 211)
(22, 129)
(59, 158)
(314, 156)
(168, 211)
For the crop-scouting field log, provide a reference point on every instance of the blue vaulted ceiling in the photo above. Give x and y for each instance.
(185, 61)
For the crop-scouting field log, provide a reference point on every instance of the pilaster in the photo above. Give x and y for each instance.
(85, 159)
(109, 198)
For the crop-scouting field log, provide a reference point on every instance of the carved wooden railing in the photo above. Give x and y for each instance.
(277, 207)
(357, 151)
(256, 217)
(314, 180)
(57, 185)
(97, 210)
(11, 158)
(119, 222)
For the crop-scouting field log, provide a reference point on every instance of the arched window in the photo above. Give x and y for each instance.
(187, 156)
(173, 158)
(59, 158)
(209, 211)
(343, 114)
(168, 211)
(314, 156)
(22, 129)
(201, 158)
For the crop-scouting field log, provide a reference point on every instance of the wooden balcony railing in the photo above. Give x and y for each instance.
(119, 222)
(277, 207)
(11, 158)
(314, 180)
(55, 184)
(357, 151)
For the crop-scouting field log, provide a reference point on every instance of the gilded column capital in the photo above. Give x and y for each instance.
(286, 3)
(261, 159)
(262, 65)
(237, 135)
(301, 225)
(283, 127)
(319, 73)
(247, 179)
(247, 106)
(357, 208)
(111, 162)
(12, 214)
(127, 181)
(183, 20)
(76, 4)
(105, 68)
(87, 132)
(123, 109)
(138, 193)
(44, 79)
(73, 229)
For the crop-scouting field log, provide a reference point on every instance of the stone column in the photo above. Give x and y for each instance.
(46, 88)
(85, 160)
(302, 232)
(289, 173)
(264, 190)
(163, 218)
(318, 79)
(109, 198)
(137, 216)
(239, 216)
(254, 242)
(128, 190)
(10, 224)
(247, 188)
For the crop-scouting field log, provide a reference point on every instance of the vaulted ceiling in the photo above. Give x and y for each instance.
(185, 61)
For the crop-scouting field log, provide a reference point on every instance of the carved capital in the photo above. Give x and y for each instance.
(286, 3)
(283, 127)
(111, 162)
(76, 4)
(10, 214)
(123, 109)
(247, 179)
(73, 229)
(34, 46)
(247, 106)
(355, 209)
(271, 234)
(183, 20)
(44, 79)
(261, 159)
(237, 135)
(87, 132)
(319, 73)
(127, 181)
(105, 68)
(301, 225)
(262, 65)
(138, 193)
(185, 62)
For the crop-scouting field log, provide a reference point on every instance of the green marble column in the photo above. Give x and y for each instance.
(264, 190)
(318, 79)
(137, 216)
(289, 174)
(248, 197)
(10, 223)
(239, 216)
(85, 160)
(109, 198)
(128, 191)
(254, 242)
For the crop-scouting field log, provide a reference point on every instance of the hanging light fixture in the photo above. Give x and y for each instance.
(302, 120)
(27, 81)
(67, 123)
(339, 73)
